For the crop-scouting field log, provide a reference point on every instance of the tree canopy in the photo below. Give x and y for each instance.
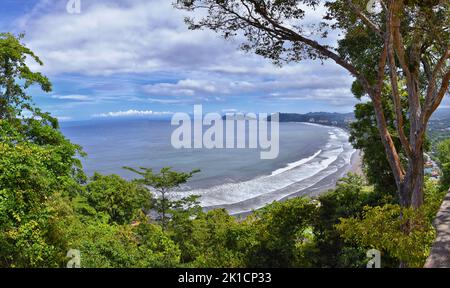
(407, 41)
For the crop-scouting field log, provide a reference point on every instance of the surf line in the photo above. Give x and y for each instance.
(292, 165)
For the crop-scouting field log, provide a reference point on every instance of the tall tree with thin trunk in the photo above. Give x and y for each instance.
(406, 46)
(16, 77)
(163, 183)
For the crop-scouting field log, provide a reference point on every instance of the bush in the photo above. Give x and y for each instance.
(120, 199)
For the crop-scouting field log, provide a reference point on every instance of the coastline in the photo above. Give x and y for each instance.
(334, 159)
(325, 185)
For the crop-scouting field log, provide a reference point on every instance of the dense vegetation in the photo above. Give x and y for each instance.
(443, 154)
(323, 118)
(439, 130)
(48, 206)
(390, 52)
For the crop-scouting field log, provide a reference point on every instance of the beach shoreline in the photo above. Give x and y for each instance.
(323, 186)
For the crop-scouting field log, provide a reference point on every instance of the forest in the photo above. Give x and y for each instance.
(49, 206)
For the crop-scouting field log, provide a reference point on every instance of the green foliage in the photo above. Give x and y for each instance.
(443, 154)
(400, 233)
(364, 136)
(213, 239)
(38, 168)
(380, 228)
(47, 208)
(164, 182)
(361, 47)
(105, 245)
(29, 183)
(282, 229)
(434, 195)
(16, 76)
(121, 200)
(277, 236)
(347, 200)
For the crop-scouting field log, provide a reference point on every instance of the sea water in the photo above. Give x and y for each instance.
(311, 159)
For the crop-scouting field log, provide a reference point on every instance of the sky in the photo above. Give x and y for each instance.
(123, 58)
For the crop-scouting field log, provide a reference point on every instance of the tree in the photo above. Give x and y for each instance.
(379, 226)
(407, 40)
(16, 77)
(38, 167)
(282, 230)
(364, 136)
(121, 200)
(164, 182)
(443, 153)
(20, 119)
(347, 200)
(379, 229)
(109, 245)
(214, 240)
(30, 184)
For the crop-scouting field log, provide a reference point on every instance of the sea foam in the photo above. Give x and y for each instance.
(295, 177)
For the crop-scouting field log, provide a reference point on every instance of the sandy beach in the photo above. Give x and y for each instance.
(323, 186)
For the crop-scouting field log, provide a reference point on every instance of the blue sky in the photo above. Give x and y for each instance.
(126, 57)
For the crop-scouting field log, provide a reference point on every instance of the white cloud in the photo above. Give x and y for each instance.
(318, 87)
(130, 113)
(231, 110)
(111, 39)
(82, 98)
(138, 36)
(64, 118)
(187, 87)
(123, 36)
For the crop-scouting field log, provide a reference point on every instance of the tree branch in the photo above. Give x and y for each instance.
(391, 151)
(395, 9)
(395, 91)
(434, 97)
(440, 95)
(365, 19)
(291, 35)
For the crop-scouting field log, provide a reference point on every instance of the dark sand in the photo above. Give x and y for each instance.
(321, 187)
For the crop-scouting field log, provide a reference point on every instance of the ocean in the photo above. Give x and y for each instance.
(311, 159)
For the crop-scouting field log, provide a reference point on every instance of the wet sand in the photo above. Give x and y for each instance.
(321, 187)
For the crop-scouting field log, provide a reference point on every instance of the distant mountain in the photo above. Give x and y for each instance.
(441, 113)
(323, 118)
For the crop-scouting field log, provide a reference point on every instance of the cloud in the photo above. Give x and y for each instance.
(187, 87)
(323, 87)
(131, 113)
(135, 36)
(81, 98)
(122, 36)
(127, 52)
(231, 110)
(162, 101)
(63, 118)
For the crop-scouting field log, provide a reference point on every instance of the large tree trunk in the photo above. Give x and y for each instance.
(409, 182)
(411, 188)
(417, 179)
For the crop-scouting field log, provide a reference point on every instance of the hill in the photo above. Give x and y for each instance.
(324, 118)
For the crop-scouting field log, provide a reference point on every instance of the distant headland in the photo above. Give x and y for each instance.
(324, 118)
